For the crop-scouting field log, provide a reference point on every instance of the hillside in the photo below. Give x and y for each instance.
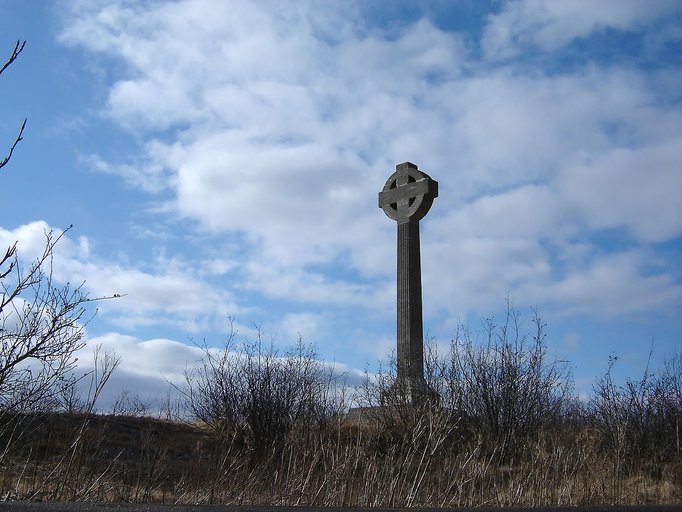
(426, 459)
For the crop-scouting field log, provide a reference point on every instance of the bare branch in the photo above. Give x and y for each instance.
(9, 256)
(18, 48)
(14, 145)
(42, 326)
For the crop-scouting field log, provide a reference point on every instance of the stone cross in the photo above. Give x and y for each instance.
(406, 198)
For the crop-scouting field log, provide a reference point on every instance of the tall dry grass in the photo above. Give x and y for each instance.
(432, 464)
(507, 432)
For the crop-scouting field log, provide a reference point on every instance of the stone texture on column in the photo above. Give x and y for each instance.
(409, 300)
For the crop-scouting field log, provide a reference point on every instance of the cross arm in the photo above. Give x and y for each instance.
(416, 188)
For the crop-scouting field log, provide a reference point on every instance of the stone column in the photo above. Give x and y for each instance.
(409, 325)
(406, 198)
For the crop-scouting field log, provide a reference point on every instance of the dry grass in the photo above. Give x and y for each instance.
(506, 432)
(433, 461)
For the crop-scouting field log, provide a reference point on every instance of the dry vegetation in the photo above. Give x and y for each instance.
(272, 430)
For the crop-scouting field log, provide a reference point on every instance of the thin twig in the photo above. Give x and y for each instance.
(14, 145)
(18, 48)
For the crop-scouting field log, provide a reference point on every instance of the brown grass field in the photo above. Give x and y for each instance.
(417, 461)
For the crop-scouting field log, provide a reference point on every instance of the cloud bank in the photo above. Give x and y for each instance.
(269, 128)
(281, 124)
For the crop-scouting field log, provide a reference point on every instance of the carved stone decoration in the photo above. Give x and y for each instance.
(406, 198)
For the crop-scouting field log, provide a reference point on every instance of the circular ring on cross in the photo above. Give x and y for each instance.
(408, 194)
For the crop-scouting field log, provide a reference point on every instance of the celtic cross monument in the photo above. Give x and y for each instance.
(406, 198)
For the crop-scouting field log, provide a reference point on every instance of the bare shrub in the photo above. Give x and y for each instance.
(640, 420)
(128, 404)
(506, 387)
(397, 425)
(496, 396)
(74, 476)
(425, 455)
(282, 440)
(669, 395)
(250, 391)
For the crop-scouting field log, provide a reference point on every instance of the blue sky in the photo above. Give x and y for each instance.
(224, 158)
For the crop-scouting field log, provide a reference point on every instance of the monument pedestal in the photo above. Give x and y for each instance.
(398, 405)
(412, 391)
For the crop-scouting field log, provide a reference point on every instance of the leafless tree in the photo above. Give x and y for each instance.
(41, 322)
(42, 326)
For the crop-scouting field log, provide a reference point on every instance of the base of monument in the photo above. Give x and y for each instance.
(401, 401)
(409, 391)
(382, 415)
(364, 416)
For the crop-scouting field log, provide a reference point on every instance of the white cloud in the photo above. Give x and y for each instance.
(312, 287)
(155, 368)
(572, 340)
(472, 273)
(160, 359)
(282, 124)
(30, 239)
(616, 285)
(551, 25)
(149, 369)
(155, 298)
(149, 174)
(528, 211)
(638, 189)
(170, 294)
(306, 325)
(219, 266)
